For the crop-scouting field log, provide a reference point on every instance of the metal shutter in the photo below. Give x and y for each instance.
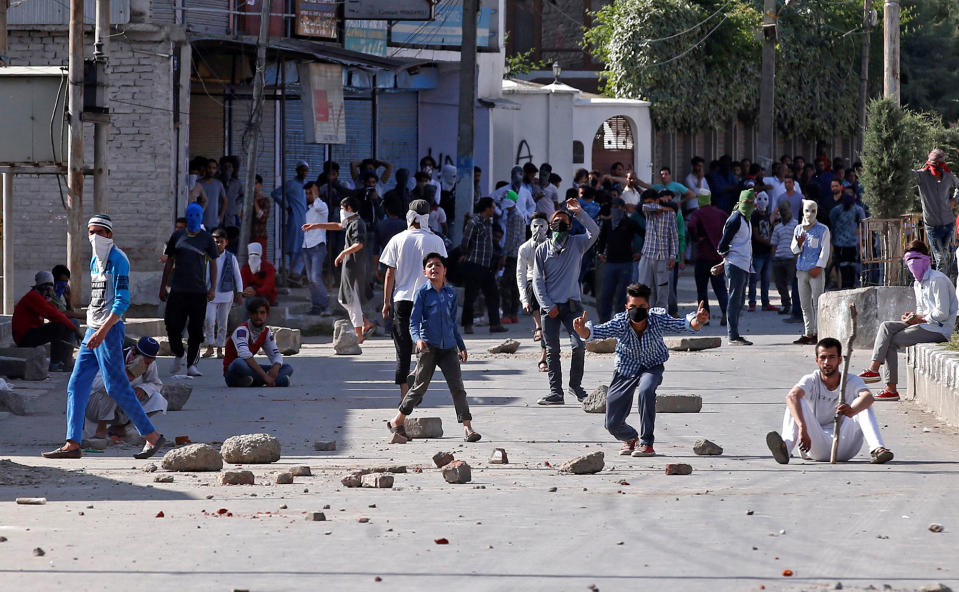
(296, 147)
(396, 131)
(359, 135)
(201, 21)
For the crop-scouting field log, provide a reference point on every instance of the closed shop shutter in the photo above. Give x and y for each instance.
(296, 147)
(359, 135)
(201, 21)
(396, 131)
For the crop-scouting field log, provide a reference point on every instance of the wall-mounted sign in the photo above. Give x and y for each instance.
(390, 10)
(446, 29)
(365, 36)
(316, 18)
(324, 113)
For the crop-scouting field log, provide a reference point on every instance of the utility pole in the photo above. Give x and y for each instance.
(467, 107)
(890, 50)
(75, 229)
(867, 23)
(767, 88)
(253, 131)
(101, 128)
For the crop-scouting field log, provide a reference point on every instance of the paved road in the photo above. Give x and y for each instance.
(629, 527)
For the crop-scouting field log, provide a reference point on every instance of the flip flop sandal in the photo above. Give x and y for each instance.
(473, 437)
(367, 333)
(543, 367)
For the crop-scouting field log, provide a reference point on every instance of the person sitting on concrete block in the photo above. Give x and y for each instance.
(438, 343)
(640, 355)
(259, 275)
(239, 366)
(142, 371)
(29, 329)
(811, 408)
(932, 322)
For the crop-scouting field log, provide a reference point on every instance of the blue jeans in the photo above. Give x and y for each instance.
(736, 279)
(940, 238)
(567, 312)
(315, 257)
(239, 368)
(761, 265)
(109, 361)
(619, 401)
(615, 279)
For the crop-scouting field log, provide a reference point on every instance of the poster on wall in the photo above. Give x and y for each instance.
(316, 18)
(324, 116)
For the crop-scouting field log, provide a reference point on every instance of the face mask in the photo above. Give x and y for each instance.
(918, 264)
(191, 181)
(60, 288)
(746, 203)
(194, 217)
(345, 215)
(137, 366)
(254, 263)
(809, 211)
(538, 227)
(762, 201)
(638, 315)
(560, 226)
(101, 249)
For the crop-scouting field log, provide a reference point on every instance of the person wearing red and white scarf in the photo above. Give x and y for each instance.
(938, 192)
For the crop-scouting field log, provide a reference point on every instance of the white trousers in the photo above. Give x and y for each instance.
(354, 308)
(852, 431)
(810, 289)
(217, 312)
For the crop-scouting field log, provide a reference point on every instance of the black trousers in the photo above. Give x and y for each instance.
(185, 309)
(402, 309)
(57, 335)
(477, 278)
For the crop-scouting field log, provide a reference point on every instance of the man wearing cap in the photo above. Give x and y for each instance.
(141, 369)
(102, 347)
(292, 198)
(190, 253)
(403, 258)
(29, 329)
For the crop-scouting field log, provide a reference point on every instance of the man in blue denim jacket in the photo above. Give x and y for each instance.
(438, 343)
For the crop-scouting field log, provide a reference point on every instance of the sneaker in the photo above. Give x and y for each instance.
(644, 450)
(580, 393)
(776, 445)
(551, 400)
(739, 341)
(497, 329)
(881, 455)
(752, 308)
(289, 381)
(628, 447)
(176, 367)
(243, 381)
(869, 376)
(886, 395)
(770, 308)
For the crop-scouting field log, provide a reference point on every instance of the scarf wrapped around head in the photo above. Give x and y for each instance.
(747, 203)
(448, 177)
(917, 263)
(255, 251)
(936, 168)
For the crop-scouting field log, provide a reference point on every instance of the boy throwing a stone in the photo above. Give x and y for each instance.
(640, 356)
(438, 343)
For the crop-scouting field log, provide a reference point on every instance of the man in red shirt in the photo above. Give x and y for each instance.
(705, 230)
(29, 329)
(259, 275)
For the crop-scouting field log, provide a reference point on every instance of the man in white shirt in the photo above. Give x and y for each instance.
(314, 248)
(403, 257)
(631, 192)
(229, 286)
(525, 256)
(524, 201)
(777, 186)
(696, 180)
(811, 408)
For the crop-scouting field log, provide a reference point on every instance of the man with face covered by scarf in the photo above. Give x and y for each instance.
(811, 241)
(29, 330)
(191, 254)
(737, 250)
(539, 228)
(615, 249)
(556, 267)
(938, 192)
(932, 321)
(259, 275)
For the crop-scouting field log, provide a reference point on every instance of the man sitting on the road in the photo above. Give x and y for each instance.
(29, 330)
(239, 366)
(640, 355)
(933, 321)
(808, 420)
(145, 380)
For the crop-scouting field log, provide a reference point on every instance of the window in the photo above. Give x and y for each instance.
(579, 152)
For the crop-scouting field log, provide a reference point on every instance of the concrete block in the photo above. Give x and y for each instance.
(678, 403)
(933, 380)
(873, 306)
(236, 478)
(424, 427)
(146, 327)
(35, 363)
(692, 343)
(344, 339)
(21, 401)
(377, 481)
(6, 330)
(176, 395)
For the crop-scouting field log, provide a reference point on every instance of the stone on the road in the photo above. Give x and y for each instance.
(707, 448)
(344, 339)
(150, 468)
(697, 343)
(377, 481)
(315, 517)
(251, 449)
(176, 395)
(287, 340)
(193, 457)
(678, 469)
(300, 471)
(163, 479)
(499, 457)
(585, 465)
(283, 479)
(507, 347)
(354, 479)
(324, 446)
(424, 427)
(457, 472)
(21, 401)
(601, 346)
(441, 459)
(678, 403)
(595, 402)
(236, 478)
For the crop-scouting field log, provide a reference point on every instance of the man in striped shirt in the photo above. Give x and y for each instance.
(640, 355)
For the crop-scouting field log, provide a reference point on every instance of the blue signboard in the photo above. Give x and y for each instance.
(365, 36)
(446, 28)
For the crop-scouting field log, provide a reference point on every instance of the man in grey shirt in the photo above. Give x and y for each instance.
(216, 196)
(938, 191)
(556, 268)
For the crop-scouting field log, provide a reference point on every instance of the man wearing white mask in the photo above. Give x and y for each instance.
(811, 241)
(539, 227)
(259, 275)
(102, 347)
(403, 258)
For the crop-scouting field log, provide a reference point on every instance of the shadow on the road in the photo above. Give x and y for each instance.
(61, 485)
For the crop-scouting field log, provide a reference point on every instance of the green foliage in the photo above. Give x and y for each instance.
(929, 63)
(521, 62)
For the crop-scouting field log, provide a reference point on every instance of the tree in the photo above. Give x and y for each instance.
(930, 56)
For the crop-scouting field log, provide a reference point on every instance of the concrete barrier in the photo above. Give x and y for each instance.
(6, 330)
(873, 306)
(932, 376)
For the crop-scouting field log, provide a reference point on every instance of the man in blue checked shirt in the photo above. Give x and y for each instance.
(438, 343)
(640, 355)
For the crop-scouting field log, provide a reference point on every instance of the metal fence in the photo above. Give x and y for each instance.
(882, 242)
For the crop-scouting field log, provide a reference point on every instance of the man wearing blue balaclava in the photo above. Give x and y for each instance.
(190, 252)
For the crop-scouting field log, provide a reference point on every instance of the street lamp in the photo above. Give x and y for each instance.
(557, 70)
